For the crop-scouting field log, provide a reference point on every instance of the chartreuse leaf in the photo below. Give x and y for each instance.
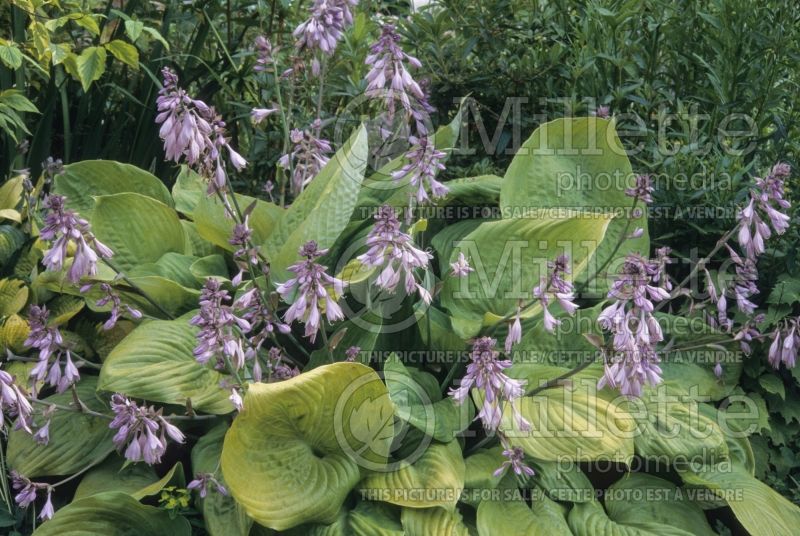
(76, 439)
(113, 513)
(324, 208)
(479, 471)
(639, 498)
(760, 509)
(368, 518)
(440, 469)
(223, 516)
(297, 448)
(441, 419)
(213, 225)
(137, 228)
(81, 182)
(13, 296)
(509, 257)
(138, 480)
(155, 362)
(562, 482)
(580, 164)
(436, 520)
(511, 515)
(11, 239)
(88, 67)
(589, 519)
(124, 52)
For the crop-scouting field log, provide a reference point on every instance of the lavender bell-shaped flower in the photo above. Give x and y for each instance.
(394, 251)
(203, 482)
(14, 403)
(52, 350)
(388, 77)
(313, 290)
(424, 163)
(553, 286)
(325, 27)
(27, 492)
(308, 157)
(220, 329)
(461, 267)
(485, 373)
(141, 431)
(515, 459)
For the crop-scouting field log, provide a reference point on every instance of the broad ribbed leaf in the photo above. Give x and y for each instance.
(580, 164)
(440, 468)
(137, 228)
(213, 225)
(428, 521)
(138, 480)
(297, 448)
(155, 362)
(76, 439)
(82, 181)
(366, 519)
(513, 516)
(113, 514)
(589, 519)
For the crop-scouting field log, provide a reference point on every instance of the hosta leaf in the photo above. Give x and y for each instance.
(223, 516)
(324, 208)
(513, 516)
(155, 362)
(63, 308)
(81, 182)
(213, 225)
(137, 228)
(13, 332)
(426, 521)
(366, 519)
(562, 482)
(76, 439)
(11, 191)
(474, 191)
(760, 509)
(138, 480)
(589, 519)
(298, 447)
(509, 256)
(13, 296)
(578, 163)
(11, 239)
(479, 474)
(639, 498)
(570, 424)
(440, 468)
(113, 514)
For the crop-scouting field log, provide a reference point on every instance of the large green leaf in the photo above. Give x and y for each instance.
(639, 498)
(89, 66)
(223, 516)
(441, 419)
(11, 239)
(509, 256)
(137, 228)
(76, 439)
(155, 362)
(138, 480)
(577, 163)
(213, 225)
(322, 211)
(589, 519)
(82, 181)
(298, 447)
(760, 509)
(440, 469)
(513, 516)
(366, 519)
(113, 514)
(428, 521)
(479, 474)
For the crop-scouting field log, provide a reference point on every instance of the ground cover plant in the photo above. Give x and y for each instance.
(259, 276)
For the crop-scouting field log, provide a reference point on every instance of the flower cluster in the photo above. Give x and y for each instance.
(785, 342)
(14, 403)
(27, 492)
(220, 329)
(485, 372)
(143, 429)
(264, 54)
(642, 190)
(278, 369)
(461, 267)
(314, 291)
(394, 250)
(554, 286)
(253, 309)
(388, 77)
(48, 340)
(203, 481)
(65, 228)
(634, 328)
(515, 459)
(193, 133)
(766, 198)
(424, 162)
(307, 158)
(111, 296)
(326, 25)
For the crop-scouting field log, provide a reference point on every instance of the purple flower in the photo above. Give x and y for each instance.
(13, 402)
(352, 353)
(259, 114)
(388, 77)
(643, 190)
(718, 370)
(193, 133)
(246, 255)
(785, 344)
(49, 342)
(27, 492)
(220, 329)
(42, 435)
(424, 162)
(252, 308)
(485, 372)
(112, 297)
(461, 267)
(635, 330)
(325, 26)
(603, 112)
(514, 332)
(313, 290)
(307, 158)
(768, 198)
(63, 228)
(142, 431)
(236, 399)
(394, 250)
(203, 481)
(554, 286)
(516, 461)
(264, 54)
